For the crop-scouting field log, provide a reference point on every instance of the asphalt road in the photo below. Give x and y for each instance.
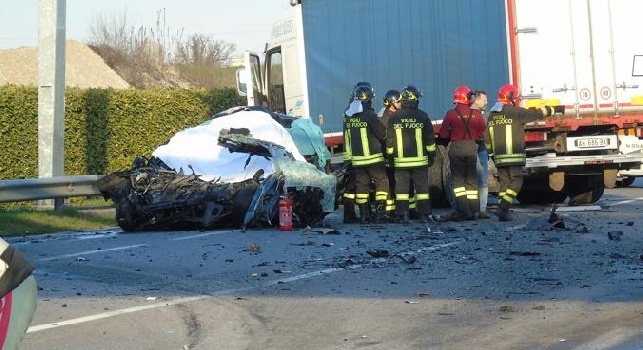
(529, 284)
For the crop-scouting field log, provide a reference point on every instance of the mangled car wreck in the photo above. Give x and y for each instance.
(230, 171)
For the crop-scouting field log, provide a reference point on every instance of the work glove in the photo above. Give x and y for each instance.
(559, 109)
(431, 158)
(441, 141)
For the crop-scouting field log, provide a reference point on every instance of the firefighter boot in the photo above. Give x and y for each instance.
(503, 211)
(349, 211)
(381, 215)
(402, 209)
(365, 213)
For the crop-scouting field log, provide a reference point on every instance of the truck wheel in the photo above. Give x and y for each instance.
(537, 191)
(439, 174)
(626, 181)
(584, 189)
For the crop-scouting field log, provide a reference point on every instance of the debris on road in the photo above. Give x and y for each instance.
(614, 235)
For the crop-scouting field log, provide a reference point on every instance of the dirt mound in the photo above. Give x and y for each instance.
(83, 68)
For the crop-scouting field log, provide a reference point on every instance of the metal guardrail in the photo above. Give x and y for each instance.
(48, 188)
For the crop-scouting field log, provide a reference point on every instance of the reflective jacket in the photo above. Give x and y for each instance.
(363, 136)
(409, 138)
(506, 124)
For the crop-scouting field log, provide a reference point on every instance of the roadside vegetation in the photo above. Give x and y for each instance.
(18, 222)
(157, 56)
(146, 57)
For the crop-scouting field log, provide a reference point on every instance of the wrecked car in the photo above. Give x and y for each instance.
(230, 171)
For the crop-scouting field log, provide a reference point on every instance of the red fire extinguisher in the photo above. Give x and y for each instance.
(285, 214)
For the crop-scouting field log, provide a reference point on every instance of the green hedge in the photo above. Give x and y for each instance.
(105, 129)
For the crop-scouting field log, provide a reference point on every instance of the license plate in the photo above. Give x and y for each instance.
(592, 142)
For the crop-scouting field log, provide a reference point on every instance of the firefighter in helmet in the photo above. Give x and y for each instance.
(506, 123)
(464, 127)
(363, 137)
(392, 102)
(411, 144)
(348, 196)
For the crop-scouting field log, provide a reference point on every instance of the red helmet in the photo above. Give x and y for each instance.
(462, 94)
(508, 94)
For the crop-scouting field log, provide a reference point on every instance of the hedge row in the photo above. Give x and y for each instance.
(105, 129)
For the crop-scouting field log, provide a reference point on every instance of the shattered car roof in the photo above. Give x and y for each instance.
(197, 149)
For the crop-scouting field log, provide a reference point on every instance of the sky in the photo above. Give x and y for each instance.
(245, 23)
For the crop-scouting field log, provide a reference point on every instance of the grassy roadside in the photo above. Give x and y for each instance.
(17, 222)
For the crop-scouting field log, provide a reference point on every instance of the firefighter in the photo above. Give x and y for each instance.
(464, 127)
(506, 124)
(392, 102)
(411, 144)
(363, 137)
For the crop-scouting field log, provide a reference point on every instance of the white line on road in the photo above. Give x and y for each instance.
(626, 201)
(307, 275)
(610, 339)
(213, 233)
(87, 252)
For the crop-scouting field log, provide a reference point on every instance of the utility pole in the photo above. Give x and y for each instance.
(51, 91)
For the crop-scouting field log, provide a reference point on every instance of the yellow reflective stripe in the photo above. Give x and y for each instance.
(507, 198)
(422, 196)
(363, 135)
(402, 197)
(472, 194)
(381, 196)
(399, 143)
(369, 159)
(460, 191)
(418, 141)
(509, 143)
(349, 195)
(410, 162)
(491, 137)
(511, 192)
(431, 148)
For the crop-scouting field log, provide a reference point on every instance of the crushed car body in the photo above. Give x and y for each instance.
(230, 171)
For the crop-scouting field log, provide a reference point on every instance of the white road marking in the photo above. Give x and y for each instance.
(626, 201)
(114, 313)
(610, 339)
(213, 233)
(87, 252)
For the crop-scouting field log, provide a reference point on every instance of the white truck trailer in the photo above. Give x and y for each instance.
(582, 54)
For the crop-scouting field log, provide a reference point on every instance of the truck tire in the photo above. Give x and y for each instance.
(584, 189)
(625, 181)
(537, 191)
(439, 174)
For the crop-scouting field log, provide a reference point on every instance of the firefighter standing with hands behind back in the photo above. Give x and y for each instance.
(464, 127)
(364, 134)
(411, 144)
(506, 125)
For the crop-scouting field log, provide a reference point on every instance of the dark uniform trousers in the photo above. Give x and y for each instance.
(363, 177)
(420, 178)
(463, 157)
(511, 179)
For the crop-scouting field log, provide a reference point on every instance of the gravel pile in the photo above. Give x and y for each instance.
(83, 68)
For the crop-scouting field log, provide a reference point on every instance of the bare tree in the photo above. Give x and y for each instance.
(143, 55)
(203, 50)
